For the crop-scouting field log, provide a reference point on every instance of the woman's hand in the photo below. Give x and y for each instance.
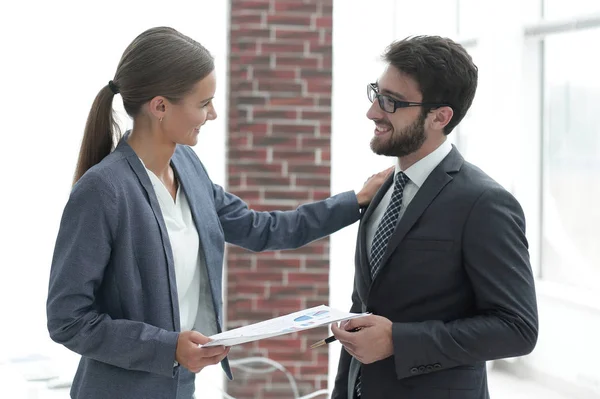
(193, 358)
(372, 185)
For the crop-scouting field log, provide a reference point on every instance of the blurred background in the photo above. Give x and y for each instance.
(291, 99)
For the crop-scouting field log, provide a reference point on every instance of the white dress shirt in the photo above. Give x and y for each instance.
(417, 174)
(196, 310)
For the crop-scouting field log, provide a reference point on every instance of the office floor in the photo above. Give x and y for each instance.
(502, 386)
(506, 386)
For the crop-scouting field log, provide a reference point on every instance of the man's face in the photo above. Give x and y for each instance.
(403, 132)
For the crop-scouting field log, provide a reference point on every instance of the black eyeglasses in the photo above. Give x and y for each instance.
(388, 104)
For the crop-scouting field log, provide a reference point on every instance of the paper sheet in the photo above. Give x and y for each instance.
(297, 321)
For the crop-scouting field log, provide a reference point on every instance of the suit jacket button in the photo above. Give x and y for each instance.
(421, 369)
(437, 366)
(429, 367)
(414, 370)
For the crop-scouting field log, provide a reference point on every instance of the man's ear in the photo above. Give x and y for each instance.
(441, 117)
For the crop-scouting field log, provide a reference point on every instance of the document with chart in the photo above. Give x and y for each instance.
(298, 321)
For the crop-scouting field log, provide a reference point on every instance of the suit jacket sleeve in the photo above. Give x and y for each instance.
(496, 260)
(261, 231)
(82, 253)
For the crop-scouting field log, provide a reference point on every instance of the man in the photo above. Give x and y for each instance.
(442, 260)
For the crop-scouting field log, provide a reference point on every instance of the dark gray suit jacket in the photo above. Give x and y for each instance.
(457, 284)
(112, 293)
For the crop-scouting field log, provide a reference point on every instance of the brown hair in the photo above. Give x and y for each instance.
(443, 69)
(160, 61)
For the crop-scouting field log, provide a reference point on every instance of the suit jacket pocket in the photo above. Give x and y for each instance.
(458, 378)
(425, 244)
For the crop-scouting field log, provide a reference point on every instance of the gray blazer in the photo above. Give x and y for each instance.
(456, 282)
(112, 294)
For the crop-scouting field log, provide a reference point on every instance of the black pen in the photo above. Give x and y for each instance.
(329, 340)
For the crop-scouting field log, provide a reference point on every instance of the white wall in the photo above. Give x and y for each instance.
(56, 55)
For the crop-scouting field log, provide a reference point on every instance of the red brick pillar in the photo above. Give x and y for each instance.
(279, 148)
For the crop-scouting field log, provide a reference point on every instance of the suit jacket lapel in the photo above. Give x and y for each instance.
(195, 195)
(140, 171)
(436, 181)
(198, 191)
(362, 230)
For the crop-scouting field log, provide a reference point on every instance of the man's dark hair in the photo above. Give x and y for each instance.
(442, 68)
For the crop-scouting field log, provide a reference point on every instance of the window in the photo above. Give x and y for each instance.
(468, 127)
(441, 18)
(469, 17)
(571, 160)
(558, 9)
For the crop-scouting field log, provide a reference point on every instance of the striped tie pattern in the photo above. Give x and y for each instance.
(388, 223)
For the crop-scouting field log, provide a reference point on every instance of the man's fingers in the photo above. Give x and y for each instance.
(358, 323)
(351, 352)
(335, 329)
(341, 334)
(349, 345)
(350, 325)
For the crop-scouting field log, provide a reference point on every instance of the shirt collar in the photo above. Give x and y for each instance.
(420, 170)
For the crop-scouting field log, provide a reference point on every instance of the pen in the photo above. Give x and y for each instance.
(330, 339)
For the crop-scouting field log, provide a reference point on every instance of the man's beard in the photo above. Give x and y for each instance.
(403, 143)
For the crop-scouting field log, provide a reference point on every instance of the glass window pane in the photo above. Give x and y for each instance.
(474, 15)
(557, 9)
(571, 153)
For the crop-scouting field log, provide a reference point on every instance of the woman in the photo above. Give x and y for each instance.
(136, 276)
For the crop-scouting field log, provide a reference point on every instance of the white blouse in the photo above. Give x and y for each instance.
(195, 301)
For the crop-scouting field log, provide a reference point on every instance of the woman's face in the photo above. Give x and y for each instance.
(182, 120)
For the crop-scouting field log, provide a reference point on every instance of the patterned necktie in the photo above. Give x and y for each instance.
(388, 223)
(382, 236)
(358, 388)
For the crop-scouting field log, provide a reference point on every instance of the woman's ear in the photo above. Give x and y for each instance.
(158, 107)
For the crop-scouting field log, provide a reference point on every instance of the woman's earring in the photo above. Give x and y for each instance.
(160, 120)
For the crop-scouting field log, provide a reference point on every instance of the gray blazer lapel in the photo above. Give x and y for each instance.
(200, 200)
(362, 229)
(436, 181)
(142, 175)
(199, 192)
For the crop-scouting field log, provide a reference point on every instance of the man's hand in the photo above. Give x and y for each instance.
(366, 194)
(193, 358)
(373, 341)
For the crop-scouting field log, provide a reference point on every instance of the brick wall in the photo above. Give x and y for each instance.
(278, 158)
